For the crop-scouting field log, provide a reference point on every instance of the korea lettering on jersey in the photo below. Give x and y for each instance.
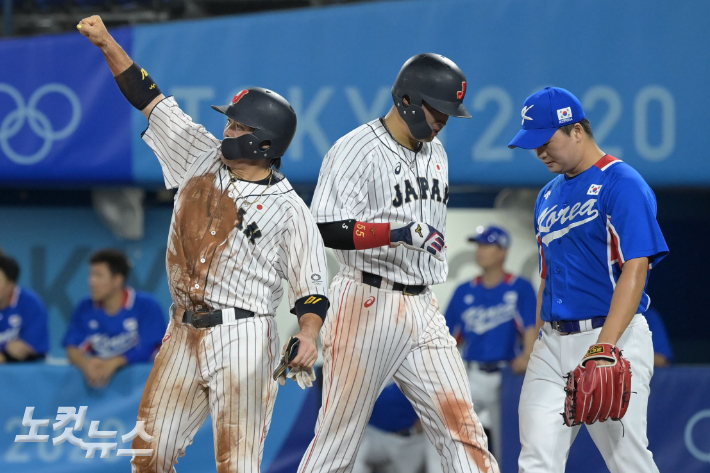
(587, 227)
(491, 320)
(370, 177)
(134, 332)
(480, 319)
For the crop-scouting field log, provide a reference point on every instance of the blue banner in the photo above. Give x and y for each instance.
(639, 69)
(678, 424)
(116, 409)
(62, 118)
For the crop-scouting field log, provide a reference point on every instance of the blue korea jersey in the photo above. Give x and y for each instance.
(587, 227)
(136, 332)
(492, 320)
(393, 412)
(25, 318)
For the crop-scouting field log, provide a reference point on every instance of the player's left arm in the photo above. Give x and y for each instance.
(629, 209)
(307, 275)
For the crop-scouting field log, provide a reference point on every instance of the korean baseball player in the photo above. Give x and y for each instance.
(238, 229)
(380, 203)
(598, 239)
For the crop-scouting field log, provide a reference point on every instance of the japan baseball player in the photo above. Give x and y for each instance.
(494, 317)
(380, 203)
(598, 238)
(238, 229)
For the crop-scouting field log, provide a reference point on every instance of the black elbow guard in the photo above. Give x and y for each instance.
(316, 304)
(137, 86)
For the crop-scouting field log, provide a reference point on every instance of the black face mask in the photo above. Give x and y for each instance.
(244, 147)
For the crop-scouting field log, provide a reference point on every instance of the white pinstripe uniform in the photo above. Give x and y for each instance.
(220, 257)
(372, 334)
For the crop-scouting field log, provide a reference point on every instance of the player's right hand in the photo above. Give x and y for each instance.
(418, 236)
(94, 29)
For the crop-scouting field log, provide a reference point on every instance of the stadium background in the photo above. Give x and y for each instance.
(75, 175)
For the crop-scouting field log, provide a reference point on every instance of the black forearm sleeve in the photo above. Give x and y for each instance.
(137, 86)
(315, 304)
(338, 235)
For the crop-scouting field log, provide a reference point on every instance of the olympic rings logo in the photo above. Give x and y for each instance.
(37, 120)
(689, 443)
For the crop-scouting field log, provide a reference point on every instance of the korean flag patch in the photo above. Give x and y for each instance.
(564, 115)
(594, 189)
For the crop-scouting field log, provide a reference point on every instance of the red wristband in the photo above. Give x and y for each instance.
(371, 235)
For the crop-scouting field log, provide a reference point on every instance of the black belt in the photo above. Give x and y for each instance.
(210, 319)
(376, 281)
(572, 326)
(489, 366)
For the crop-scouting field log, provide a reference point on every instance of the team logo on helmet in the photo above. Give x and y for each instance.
(461, 93)
(239, 96)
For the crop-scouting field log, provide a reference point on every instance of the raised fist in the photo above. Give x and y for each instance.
(94, 29)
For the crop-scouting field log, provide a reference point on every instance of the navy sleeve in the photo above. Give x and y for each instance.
(76, 332)
(151, 329)
(527, 302)
(661, 344)
(34, 325)
(630, 207)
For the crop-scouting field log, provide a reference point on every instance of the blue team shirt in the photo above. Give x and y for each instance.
(661, 344)
(587, 227)
(25, 318)
(492, 320)
(393, 412)
(136, 332)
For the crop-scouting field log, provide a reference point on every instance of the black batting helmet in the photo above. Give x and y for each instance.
(271, 116)
(433, 79)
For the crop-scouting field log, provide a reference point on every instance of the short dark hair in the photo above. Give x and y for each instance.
(275, 163)
(116, 261)
(10, 267)
(567, 129)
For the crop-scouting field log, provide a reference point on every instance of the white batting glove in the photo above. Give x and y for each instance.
(303, 376)
(418, 236)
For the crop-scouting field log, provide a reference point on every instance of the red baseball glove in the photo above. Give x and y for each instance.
(597, 393)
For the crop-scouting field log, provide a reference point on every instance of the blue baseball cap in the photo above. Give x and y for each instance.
(491, 236)
(543, 113)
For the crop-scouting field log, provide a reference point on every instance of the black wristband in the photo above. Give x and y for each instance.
(137, 86)
(338, 235)
(316, 304)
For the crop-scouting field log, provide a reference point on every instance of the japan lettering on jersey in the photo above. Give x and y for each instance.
(491, 320)
(135, 332)
(231, 242)
(25, 318)
(587, 227)
(370, 177)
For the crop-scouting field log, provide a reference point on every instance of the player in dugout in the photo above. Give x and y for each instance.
(23, 317)
(114, 327)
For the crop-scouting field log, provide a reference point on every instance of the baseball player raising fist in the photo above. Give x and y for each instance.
(237, 230)
(380, 203)
(598, 238)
